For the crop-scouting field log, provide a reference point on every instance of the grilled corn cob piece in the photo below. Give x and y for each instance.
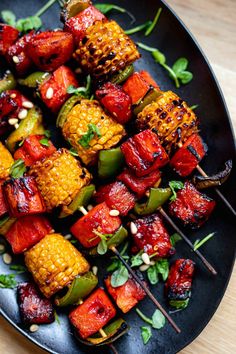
(171, 118)
(54, 262)
(77, 126)
(6, 160)
(105, 50)
(59, 178)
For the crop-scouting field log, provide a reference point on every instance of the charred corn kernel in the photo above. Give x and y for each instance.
(171, 118)
(105, 50)
(6, 161)
(59, 178)
(77, 126)
(54, 262)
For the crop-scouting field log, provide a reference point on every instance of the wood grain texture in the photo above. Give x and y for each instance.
(212, 22)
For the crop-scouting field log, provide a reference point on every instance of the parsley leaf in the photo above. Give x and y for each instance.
(158, 320)
(136, 260)
(17, 169)
(83, 91)
(102, 247)
(152, 275)
(7, 281)
(87, 137)
(162, 267)
(119, 277)
(146, 334)
(175, 185)
(44, 142)
(199, 243)
(175, 238)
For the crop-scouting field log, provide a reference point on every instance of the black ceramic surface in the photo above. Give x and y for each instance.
(172, 38)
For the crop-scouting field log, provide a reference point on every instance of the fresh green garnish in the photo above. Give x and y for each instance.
(18, 268)
(175, 238)
(139, 28)
(44, 142)
(175, 185)
(17, 169)
(29, 23)
(195, 106)
(179, 304)
(146, 334)
(87, 137)
(136, 260)
(153, 23)
(119, 277)
(106, 8)
(73, 152)
(9, 17)
(114, 265)
(7, 281)
(47, 133)
(160, 267)
(199, 243)
(82, 91)
(57, 318)
(102, 247)
(157, 321)
(73, 242)
(180, 71)
(152, 275)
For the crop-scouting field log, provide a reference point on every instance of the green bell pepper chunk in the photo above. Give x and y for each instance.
(81, 199)
(81, 287)
(123, 75)
(151, 96)
(110, 162)
(157, 197)
(34, 79)
(66, 108)
(8, 82)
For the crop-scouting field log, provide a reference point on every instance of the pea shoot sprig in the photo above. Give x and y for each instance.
(148, 26)
(157, 322)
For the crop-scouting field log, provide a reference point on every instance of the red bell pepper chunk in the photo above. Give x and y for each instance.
(33, 150)
(152, 236)
(95, 312)
(136, 87)
(139, 185)
(59, 81)
(186, 159)
(116, 101)
(144, 153)
(3, 205)
(34, 308)
(8, 36)
(7, 104)
(149, 79)
(191, 207)
(49, 50)
(126, 296)
(17, 55)
(23, 197)
(78, 24)
(27, 231)
(117, 196)
(97, 219)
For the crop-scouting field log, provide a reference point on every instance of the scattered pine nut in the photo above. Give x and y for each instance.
(114, 212)
(13, 95)
(16, 59)
(23, 114)
(90, 207)
(34, 328)
(133, 228)
(2, 248)
(49, 93)
(67, 237)
(7, 258)
(145, 258)
(95, 270)
(144, 267)
(13, 121)
(27, 104)
(16, 126)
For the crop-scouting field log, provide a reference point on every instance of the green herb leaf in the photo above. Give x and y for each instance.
(17, 169)
(147, 48)
(87, 137)
(7, 281)
(47, 133)
(44, 142)
(146, 334)
(106, 8)
(102, 247)
(28, 23)
(73, 242)
(152, 275)
(159, 57)
(136, 260)
(179, 304)
(185, 77)
(194, 107)
(158, 320)
(199, 243)
(114, 265)
(175, 238)
(144, 317)
(180, 65)
(18, 268)
(119, 277)
(73, 152)
(154, 22)
(8, 17)
(138, 28)
(175, 185)
(82, 91)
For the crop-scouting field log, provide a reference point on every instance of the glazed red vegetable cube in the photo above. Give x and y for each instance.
(97, 219)
(149, 79)
(23, 197)
(152, 236)
(17, 54)
(139, 185)
(33, 149)
(95, 312)
(186, 159)
(59, 81)
(191, 207)
(27, 231)
(7, 104)
(78, 24)
(3, 205)
(144, 153)
(8, 36)
(117, 196)
(116, 101)
(34, 308)
(179, 282)
(126, 296)
(51, 49)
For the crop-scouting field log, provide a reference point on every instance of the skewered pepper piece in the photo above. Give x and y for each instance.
(34, 308)
(116, 102)
(59, 178)
(122, 75)
(3, 205)
(8, 82)
(110, 162)
(126, 296)
(8, 36)
(73, 7)
(179, 283)
(89, 129)
(152, 236)
(191, 207)
(23, 197)
(186, 159)
(149, 79)
(54, 262)
(58, 84)
(105, 50)
(49, 50)
(78, 24)
(139, 185)
(33, 150)
(27, 231)
(66, 108)
(96, 311)
(157, 197)
(6, 161)
(144, 153)
(98, 219)
(117, 197)
(33, 80)
(171, 118)
(11, 102)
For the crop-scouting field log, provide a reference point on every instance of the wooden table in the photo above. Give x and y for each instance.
(213, 24)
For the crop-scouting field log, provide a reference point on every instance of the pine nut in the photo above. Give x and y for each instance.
(16, 126)
(16, 59)
(95, 270)
(23, 114)
(49, 93)
(13, 121)
(67, 237)
(13, 95)
(133, 228)
(27, 104)
(144, 267)
(114, 212)
(7, 258)
(34, 328)
(2, 248)
(145, 258)
(90, 207)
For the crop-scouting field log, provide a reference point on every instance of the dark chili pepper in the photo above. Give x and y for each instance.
(34, 79)
(123, 75)
(66, 108)
(8, 82)
(157, 197)
(110, 162)
(151, 96)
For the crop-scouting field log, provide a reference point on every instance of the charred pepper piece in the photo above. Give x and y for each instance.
(54, 262)
(34, 308)
(157, 197)
(144, 153)
(6, 161)
(8, 36)
(96, 311)
(23, 197)
(179, 283)
(191, 207)
(8, 82)
(110, 162)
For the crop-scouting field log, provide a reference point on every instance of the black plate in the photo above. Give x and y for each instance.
(175, 41)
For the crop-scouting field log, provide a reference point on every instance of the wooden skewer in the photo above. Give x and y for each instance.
(145, 288)
(113, 349)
